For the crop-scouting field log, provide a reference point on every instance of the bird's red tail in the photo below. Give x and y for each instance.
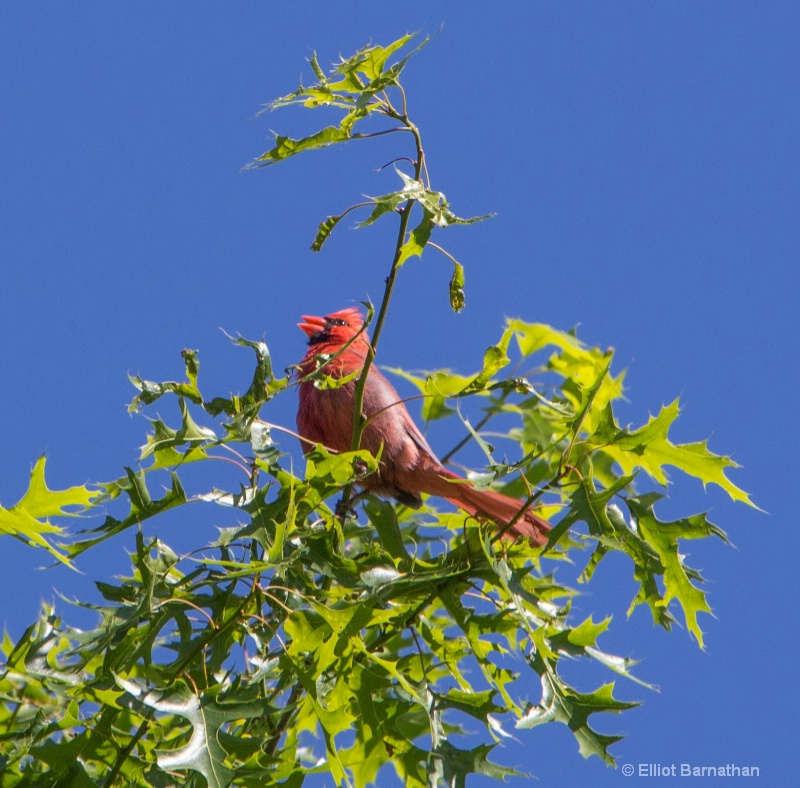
(490, 505)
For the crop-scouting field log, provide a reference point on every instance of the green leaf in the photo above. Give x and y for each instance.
(339, 469)
(325, 382)
(164, 438)
(286, 147)
(533, 337)
(649, 448)
(457, 300)
(436, 387)
(318, 72)
(494, 359)
(612, 533)
(385, 203)
(371, 60)
(434, 203)
(207, 715)
(477, 704)
(560, 703)
(355, 86)
(149, 391)
(435, 213)
(264, 384)
(28, 519)
(454, 765)
(325, 229)
(40, 501)
(384, 517)
(664, 536)
(417, 239)
(142, 506)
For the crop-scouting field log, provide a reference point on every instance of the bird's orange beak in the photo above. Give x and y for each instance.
(311, 325)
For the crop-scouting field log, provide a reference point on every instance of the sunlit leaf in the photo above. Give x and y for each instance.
(203, 752)
(325, 229)
(494, 359)
(457, 300)
(649, 448)
(28, 520)
(383, 516)
(417, 238)
(150, 391)
(560, 703)
(664, 536)
(286, 147)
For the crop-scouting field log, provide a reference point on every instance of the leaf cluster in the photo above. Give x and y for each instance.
(366, 88)
(306, 640)
(339, 635)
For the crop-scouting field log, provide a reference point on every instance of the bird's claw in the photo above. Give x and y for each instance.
(344, 509)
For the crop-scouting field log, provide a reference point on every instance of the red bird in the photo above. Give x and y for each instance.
(408, 466)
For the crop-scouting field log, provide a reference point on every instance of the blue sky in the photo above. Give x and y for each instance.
(643, 162)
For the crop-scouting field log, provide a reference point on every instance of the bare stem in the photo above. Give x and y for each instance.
(123, 754)
(289, 710)
(359, 420)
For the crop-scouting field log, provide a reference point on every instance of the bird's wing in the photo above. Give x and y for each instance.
(419, 441)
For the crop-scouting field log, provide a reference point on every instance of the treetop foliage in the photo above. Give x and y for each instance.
(314, 638)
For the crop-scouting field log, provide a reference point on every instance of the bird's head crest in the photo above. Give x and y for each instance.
(337, 326)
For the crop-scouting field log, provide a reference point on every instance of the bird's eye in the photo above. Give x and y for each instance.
(337, 321)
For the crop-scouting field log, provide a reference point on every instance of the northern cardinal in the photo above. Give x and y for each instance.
(408, 465)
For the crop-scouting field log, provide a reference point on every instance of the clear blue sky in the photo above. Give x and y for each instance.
(644, 164)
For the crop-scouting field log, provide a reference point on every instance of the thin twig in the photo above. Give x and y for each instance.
(359, 420)
(289, 709)
(123, 754)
